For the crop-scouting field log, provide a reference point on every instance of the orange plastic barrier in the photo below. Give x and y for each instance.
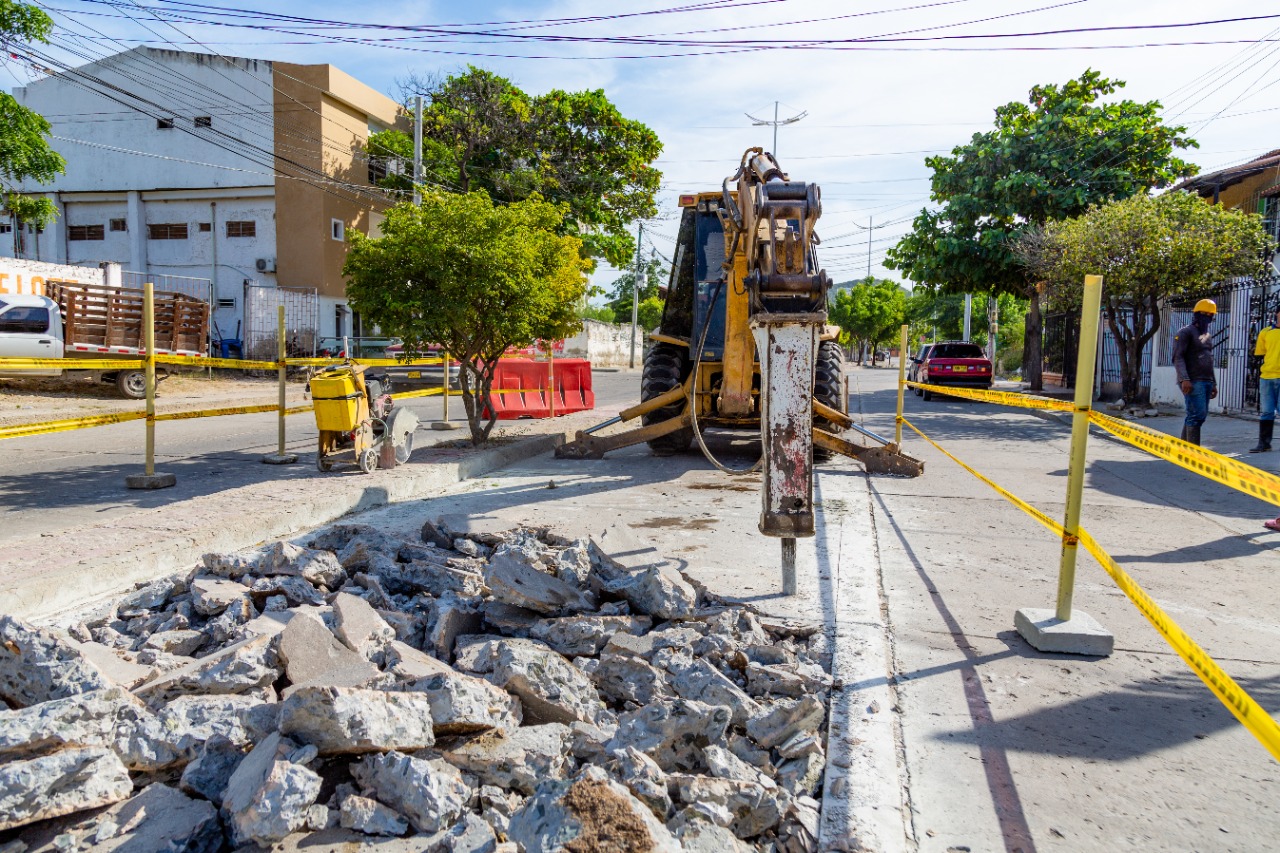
(527, 393)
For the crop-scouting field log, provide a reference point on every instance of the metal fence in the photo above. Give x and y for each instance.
(197, 288)
(1059, 344)
(261, 312)
(1110, 377)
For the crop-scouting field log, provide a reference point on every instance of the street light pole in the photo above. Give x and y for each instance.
(763, 122)
(635, 294)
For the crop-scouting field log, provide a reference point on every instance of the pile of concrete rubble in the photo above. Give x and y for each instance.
(473, 691)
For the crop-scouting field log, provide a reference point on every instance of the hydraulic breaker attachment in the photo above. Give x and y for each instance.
(877, 460)
(588, 446)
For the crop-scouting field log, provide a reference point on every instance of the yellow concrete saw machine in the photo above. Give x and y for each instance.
(356, 415)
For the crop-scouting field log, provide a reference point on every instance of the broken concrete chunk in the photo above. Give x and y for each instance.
(335, 537)
(800, 743)
(233, 566)
(629, 681)
(745, 808)
(115, 667)
(65, 782)
(723, 764)
(268, 797)
(658, 591)
(297, 590)
(408, 664)
(550, 689)
(37, 665)
(431, 794)
(519, 759)
(786, 719)
(186, 722)
(350, 720)
(110, 718)
(228, 626)
(589, 741)
(793, 680)
(497, 806)
(572, 636)
(644, 778)
(182, 642)
(207, 776)
(626, 644)
(363, 551)
(319, 567)
(673, 733)
(143, 601)
(239, 668)
(802, 776)
(697, 835)
(516, 580)
(697, 679)
(464, 704)
(798, 832)
(471, 834)
(448, 617)
(359, 626)
(158, 818)
(371, 817)
(313, 656)
(590, 813)
(508, 619)
(211, 596)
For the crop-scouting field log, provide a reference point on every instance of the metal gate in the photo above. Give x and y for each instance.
(1060, 343)
(197, 288)
(1110, 377)
(261, 312)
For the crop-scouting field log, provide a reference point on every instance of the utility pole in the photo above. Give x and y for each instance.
(764, 122)
(635, 293)
(871, 229)
(968, 313)
(993, 325)
(417, 153)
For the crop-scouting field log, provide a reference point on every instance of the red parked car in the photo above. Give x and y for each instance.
(957, 363)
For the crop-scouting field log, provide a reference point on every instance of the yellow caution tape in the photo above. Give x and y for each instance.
(7, 364)
(222, 363)
(20, 430)
(367, 362)
(1215, 466)
(1004, 398)
(1250, 714)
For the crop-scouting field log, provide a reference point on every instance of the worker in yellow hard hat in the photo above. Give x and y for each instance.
(1193, 361)
(1268, 348)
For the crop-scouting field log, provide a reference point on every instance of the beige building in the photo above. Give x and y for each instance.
(244, 172)
(1253, 187)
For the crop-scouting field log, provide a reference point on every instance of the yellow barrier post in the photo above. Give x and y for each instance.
(902, 384)
(444, 423)
(1062, 630)
(150, 479)
(280, 457)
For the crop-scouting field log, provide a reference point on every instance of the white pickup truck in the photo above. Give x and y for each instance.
(92, 321)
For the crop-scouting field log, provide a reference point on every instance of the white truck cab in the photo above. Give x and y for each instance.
(30, 327)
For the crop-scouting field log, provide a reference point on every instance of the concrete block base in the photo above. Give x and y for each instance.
(445, 425)
(280, 458)
(150, 481)
(1079, 635)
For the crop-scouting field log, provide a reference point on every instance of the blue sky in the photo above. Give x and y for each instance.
(872, 112)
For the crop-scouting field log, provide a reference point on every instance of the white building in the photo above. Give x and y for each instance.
(237, 170)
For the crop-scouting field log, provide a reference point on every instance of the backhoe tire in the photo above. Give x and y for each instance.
(828, 388)
(666, 366)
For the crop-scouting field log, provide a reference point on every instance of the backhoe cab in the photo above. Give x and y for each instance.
(744, 343)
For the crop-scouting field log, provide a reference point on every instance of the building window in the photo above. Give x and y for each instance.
(6, 227)
(86, 232)
(206, 227)
(167, 231)
(248, 228)
(204, 121)
(337, 229)
(164, 124)
(119, 224)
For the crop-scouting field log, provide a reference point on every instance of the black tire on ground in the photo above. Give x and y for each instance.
(928, 395)
(132, 384)
(666, 366)
(828, 388)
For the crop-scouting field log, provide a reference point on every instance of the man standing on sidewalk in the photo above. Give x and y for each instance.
(1269, 386)
(1193, 360)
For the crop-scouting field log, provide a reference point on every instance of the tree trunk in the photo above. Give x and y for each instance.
(1033, 351)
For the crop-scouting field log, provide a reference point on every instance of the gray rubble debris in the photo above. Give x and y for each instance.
(697, 835)
(644, 778)
(37, 665)
(359, 626)
(100, 718)
(785, 720)
(207, 776)
(268, 797)
(572, 636)
(312, 656)
(551, 690)
(157, 819)
(464, 704)
(211, 596)
(630, 681)
(65, 782)
(297, 590)
(239, 668)
(115, 665)
(180, 642)
(447, 617)
(186, 722)
(317, 567)
(431, 794)
(802, 776)
(799, 830)
(745, 808)
(408, 664)
(658, 591)
(351, 720)
(514, 579)
(233, 566)
(582, 814)
(518, 759)
(371, 817)
(673, 733)
(497, 806)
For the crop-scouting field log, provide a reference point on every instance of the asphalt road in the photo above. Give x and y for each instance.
(55, 482)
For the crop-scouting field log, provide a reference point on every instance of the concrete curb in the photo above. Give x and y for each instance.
(51, 574)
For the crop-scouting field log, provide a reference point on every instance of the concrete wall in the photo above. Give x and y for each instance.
(605, 344)
(23, 276)
(1165, 390)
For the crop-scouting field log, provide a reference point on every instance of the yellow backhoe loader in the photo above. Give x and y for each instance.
(744, 343)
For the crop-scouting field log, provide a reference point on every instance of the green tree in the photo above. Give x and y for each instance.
(870, 313)
(649, 313)
(481, 131)
(1145, 249)
(475, 277)
(655, 278)
(1045, 160)
(24, 149)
